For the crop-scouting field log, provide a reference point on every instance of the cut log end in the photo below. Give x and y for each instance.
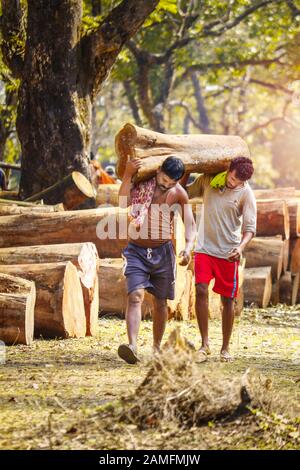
(73, 311)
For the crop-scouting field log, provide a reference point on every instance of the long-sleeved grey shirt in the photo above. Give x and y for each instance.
(225, 214)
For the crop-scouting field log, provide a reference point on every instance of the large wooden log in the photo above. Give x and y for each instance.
(75, 227)
(265, 252)
(59, 309)
(14, 209)
(82, 255)
(294, 215)
(8, 194)
(288, 288)
(285, 258)
(67, 227)
(275, 193)
(275, 293)
(107, 195)
(272, 218)
(17, 301)
(72, 191)
(295, 257)
(258, 286)
(199, 152)
(16, 202)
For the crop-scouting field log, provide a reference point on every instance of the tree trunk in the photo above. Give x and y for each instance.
(61, 74)
(272, 218)
(59, 309)
(258, 286)
(54, 116)
(17, 301)
(72, 191)
(265, 252)
(288, 288)
(82, 255)
(200, 153)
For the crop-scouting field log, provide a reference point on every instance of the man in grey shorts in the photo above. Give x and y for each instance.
(149, 258)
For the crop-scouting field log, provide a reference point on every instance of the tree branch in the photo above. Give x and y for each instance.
(208, 30)
(101, 47)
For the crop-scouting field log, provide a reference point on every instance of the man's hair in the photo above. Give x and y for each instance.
(243, 168)
(173, 167)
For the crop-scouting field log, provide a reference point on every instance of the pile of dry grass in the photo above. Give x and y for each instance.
(177, 389)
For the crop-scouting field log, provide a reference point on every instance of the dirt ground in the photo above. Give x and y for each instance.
(65, 394)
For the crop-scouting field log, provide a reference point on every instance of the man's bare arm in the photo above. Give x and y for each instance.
(190, 229)
(131, 169)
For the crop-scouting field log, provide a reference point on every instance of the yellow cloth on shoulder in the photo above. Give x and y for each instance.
(219, 180)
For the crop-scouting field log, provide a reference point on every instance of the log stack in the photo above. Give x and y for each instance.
(275, 246)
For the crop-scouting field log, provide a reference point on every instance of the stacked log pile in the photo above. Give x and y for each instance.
(275, 246)
(46, 290)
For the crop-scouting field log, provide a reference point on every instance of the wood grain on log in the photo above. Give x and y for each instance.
(199, 152)
(17, 302)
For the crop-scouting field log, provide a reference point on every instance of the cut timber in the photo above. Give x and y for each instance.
(68, 227)
(265, 252)
(20, 203)
(295, 257)
(294, 214)
(107, 195)
(83, 255)
(14, 209)
(288, 288)
(272, 218)
(41, 254)
(75, 227)
(275, 193)
(200, 153)
(59, 309)
(258, 286)
(285, 259)
(17, 301)
(72, 191)
(275, 293)
(8, 194)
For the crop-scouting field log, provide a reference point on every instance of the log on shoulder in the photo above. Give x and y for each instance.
(199, 152)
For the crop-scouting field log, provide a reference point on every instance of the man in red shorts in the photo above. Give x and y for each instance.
(227, 224)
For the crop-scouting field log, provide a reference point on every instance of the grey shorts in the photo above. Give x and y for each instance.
(153, 269)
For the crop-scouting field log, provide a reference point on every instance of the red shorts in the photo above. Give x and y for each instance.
(225, 273)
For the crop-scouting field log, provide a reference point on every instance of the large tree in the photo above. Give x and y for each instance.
(61, 67)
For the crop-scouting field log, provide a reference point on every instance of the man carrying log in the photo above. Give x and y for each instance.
(229, 207)
(150, 261)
